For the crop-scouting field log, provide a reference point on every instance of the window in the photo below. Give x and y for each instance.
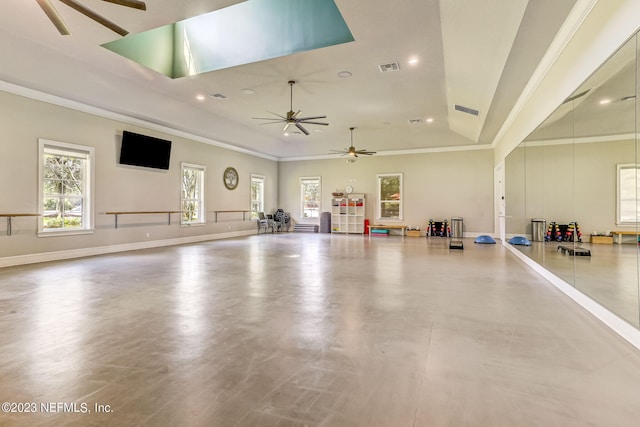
(257, 195)
(65, 188)
(310, 197)
(628, 190)
(390, 196)
(193, 194)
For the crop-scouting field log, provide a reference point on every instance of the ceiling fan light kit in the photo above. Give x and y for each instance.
(352, 152)
(292, 117)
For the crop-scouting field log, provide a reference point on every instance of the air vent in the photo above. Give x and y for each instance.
(579, 95)
(626, 98)
(217, 95)
(467, 110)
(415, 121)
(385, 68)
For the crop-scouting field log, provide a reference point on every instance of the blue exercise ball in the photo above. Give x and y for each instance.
(485, 239)
(519, 240)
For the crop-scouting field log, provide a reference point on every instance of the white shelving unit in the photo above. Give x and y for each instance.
(347, 214)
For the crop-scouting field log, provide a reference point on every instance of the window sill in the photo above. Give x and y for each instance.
(58, 233)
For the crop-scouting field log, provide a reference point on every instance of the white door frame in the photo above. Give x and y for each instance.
(499, 201)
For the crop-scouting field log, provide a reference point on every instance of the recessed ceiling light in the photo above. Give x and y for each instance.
(200, 97)
(430, 120)
(413, 61)
(605, 101)
(248, 91)
(286, 134)
(344, 74)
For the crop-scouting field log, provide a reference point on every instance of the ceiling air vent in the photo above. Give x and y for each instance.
(217, 95)
(415, 121)
(626, 98)
(385, 68)
(467, 110)
(576, 96)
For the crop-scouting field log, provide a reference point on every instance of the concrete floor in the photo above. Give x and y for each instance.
(301, 329)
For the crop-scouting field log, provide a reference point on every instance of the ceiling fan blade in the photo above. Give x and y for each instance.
(98, 18)
(313, 123)
(268, 118)
(299, 126)
(284, 129)
(270, 123)
(276, 114)
(54, 17)
(129, 3)
(312, 118)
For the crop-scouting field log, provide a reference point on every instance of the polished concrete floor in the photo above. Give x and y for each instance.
(301, 329)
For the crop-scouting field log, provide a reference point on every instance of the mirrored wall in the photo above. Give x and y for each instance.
(574, 181)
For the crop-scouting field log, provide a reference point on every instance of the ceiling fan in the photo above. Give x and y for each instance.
(292, 117)
(56, 20)
(351, 151)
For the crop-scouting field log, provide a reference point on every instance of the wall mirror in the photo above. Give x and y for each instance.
(575, 179)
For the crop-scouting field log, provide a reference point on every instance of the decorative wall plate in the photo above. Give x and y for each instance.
(349, 189)
(230, 178)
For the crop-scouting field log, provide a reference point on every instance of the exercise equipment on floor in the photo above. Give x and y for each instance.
(438, 228)
(484, 239)
(520, 240)
(563, 232)
(574, 251)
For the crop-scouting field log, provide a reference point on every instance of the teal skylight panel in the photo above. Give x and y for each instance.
(247, 32)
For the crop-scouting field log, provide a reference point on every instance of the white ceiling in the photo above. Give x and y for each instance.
(478, 54)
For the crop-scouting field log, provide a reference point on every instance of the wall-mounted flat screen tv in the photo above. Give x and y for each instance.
(143, 150)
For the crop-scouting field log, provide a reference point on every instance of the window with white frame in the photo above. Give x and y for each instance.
(193, 207)
(627, 194)
(389, 196)
(257, 195)
(65, 188)
(310, 191)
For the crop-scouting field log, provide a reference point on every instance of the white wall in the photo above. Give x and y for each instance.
(436, 185)
(117, 188)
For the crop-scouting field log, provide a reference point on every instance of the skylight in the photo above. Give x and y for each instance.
(247, 32)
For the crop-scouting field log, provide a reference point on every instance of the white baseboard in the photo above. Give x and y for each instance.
(102, 250)
(618, 325)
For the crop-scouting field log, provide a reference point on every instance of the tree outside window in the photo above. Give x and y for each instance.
(65, 178)
(310, 197)
(390, 196)
(193, 194)
(628, 190)
(257, 195)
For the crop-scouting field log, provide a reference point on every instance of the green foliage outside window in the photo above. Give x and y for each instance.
(63, 188)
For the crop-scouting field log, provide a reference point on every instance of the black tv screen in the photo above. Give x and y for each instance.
(143, 150)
